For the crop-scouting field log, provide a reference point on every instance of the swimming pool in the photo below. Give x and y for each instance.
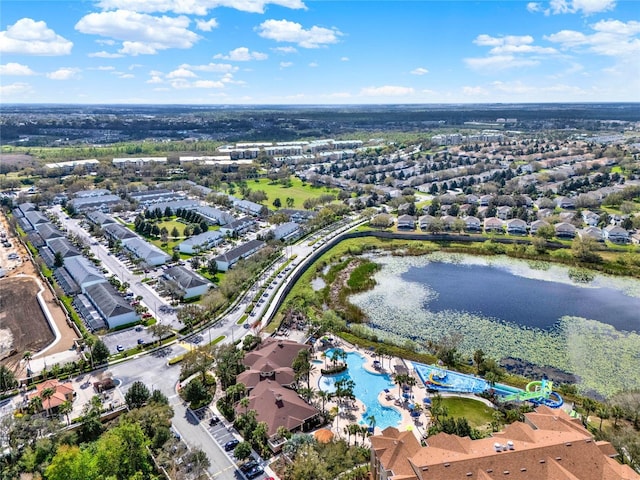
(367, 387)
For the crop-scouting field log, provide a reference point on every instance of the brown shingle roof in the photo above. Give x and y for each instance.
(274, 352)
(278, 406)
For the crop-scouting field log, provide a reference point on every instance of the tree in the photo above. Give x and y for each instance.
(583, 249)
(546, 231)
(196, 393)
(46, 395)
(137, 395)
(588, 406)
(174, 232)
(58, 260)
(277, 203)
(99, 352)
(71, 463)
(212, 266)
(7, 379)
(198, 360)
(290, 201)
(160, 330)
(65, 409)
(302, 367)
(195, 263)
(198, 461)
(27, 356)
(242, 451)
(122, 452)
(159, 398)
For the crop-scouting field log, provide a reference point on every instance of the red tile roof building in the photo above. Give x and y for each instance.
(62, 392)
(548, 445)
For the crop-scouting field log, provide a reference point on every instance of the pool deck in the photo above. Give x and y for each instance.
(347, 416)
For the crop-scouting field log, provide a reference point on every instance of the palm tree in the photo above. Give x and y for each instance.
(244, 403)
(65, 409)
(323, 396)
(27, 356)
(35, 404)
(400, 378)
(617, 413)
(588, 406)
(603, 413)
(371, 420)
(46, 394)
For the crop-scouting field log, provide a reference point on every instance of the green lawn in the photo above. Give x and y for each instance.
(297, 191)
(477, 413)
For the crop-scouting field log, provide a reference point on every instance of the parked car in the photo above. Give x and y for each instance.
(120, 348)
(254, 472)
(245, 467)
(214, 421)
(230, 445)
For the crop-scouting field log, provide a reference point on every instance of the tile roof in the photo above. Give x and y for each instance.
(549, 445)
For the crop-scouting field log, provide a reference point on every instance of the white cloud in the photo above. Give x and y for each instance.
(124, 75)
(208, 84)
(206, 25)
(29, 37)
(140, 33)
(183, 84)
(587, 7)
(196, 7)
(108, 42)
(499, 62)
(612, 38)
(14, 90)
(155, 79)
(509, 51)
(242, 54)
(419, 71)
(387, 91)
(211, 67)
(15, 69)
(534, 7)
(65, 73)
(286, 31)
(104, 54)
(285, 64)
(344, 59)
(285, 50)
(474, 91)
(181, 73)
(313, 65)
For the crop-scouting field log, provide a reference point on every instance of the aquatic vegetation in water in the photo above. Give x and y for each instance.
(605, 359)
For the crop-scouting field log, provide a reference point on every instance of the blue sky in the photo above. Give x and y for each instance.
(319, 51)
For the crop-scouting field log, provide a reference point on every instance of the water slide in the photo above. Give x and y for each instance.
(536, 392)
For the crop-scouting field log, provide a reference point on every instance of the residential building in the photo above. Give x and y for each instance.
(115, 310)
(590, 218)
(548, 445)
(472, 224)
(99, 218)
(272, 360)
(533, 228)
(516, 226)
(70, 166)
(116, 232)
(137, 161)
(493, 224)
(148, 253)
(286, 231)
(424, 221)
(564, 202)
(48, 232)
(248, 207)
(213, 216)
(233, 256)
(201, 242)
(594, 233)
(299, 216)
(83, 272)
(238, 227)
(189, 283)
(565, 230)
(503, 213)
(406, 222)
(615, 234)
(102, 202)
(62, 392)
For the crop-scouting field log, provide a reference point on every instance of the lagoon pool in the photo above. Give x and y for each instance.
(367, 387)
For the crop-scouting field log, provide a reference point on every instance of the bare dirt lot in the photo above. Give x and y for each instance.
(27, 330)
(21, 314)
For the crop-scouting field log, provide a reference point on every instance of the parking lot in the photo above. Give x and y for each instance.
(222, 436)
(128, 339)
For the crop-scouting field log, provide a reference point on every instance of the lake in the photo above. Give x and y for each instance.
(496, 292)
(531, 311)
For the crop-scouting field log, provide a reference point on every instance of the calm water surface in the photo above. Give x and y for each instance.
(497, 293)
